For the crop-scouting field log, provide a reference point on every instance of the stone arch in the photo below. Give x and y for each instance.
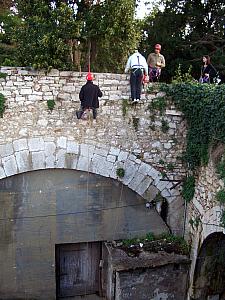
(209, 275)
(29, 154)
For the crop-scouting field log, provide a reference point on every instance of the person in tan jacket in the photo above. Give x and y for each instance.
(156, 62)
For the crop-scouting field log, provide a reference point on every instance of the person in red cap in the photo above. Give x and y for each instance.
(88, 95)
(156, 62)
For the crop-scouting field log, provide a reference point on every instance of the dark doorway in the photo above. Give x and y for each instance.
(77, 269)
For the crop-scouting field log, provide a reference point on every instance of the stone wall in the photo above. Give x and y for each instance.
(204, 211)
(33, 137)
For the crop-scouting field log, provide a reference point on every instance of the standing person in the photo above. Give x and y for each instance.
(88, 95)
(156, 62)
(208, 72)
(138, 66)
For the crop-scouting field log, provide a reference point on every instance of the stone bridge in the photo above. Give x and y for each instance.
(34, 139)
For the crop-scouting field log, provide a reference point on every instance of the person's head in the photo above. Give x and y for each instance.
(89, 76)
(157, 48)
(206, 59)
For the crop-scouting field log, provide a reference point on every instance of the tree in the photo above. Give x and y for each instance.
(187, 30)
(67, 33)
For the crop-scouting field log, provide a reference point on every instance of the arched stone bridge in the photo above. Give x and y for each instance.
(33, 137)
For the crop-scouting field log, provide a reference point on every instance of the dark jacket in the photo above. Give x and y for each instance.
(89, 94)
(209, 69)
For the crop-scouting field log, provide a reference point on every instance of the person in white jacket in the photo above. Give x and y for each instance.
(138, 67)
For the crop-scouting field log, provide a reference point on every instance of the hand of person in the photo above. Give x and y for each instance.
(206, 75)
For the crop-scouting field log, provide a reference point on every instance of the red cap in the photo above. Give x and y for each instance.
(158, 46)
(89, 76)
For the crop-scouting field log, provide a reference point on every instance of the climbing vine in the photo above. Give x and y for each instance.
(203, 106)
(2, 105)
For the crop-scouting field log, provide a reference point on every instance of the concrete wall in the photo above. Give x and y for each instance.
(44, 208)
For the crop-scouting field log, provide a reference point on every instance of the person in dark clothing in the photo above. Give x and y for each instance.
(88, 95)
(208, 72)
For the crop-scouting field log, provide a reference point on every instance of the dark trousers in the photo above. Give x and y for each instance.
(136, 83)
(80, 112)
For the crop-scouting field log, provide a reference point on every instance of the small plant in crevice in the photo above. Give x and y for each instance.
(2, 105)
(125, 106)
(222, 219)
(51, 104)
(195, 222)
(170, 167)
(3, 75)
(220, 196)
(165, 126)
(161, 162)
(120, 172)
(135, 121)
(188, 188)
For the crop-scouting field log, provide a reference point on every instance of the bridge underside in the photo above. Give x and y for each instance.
(45, 208)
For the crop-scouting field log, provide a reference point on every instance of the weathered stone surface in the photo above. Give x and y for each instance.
(6, 150)
(38, 160)
(72, 147)
(23, 161)
(83, 163)
(144, 185)
(20, 144)
(36, 144)
(9, 165)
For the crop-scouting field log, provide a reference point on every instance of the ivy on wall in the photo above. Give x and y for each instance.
(203, 106)
(2, 105)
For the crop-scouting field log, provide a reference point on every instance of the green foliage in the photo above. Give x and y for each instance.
(165, 238)
(195, 222)
(222, 219)
(170, 167)
(2, 105)
(165, 126)
(3, 75)
(158, 104)
(203, 108)
(181, 77)
(220, 196)
(120, 172)
(188, 188)
(186, 33)
(51, 104)
(221, 169)
(135, 121)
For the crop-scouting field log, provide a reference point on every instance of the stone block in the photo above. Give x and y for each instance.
(36, 144)
(144, 168)
(2, 173)
(130, 171)
(87, 150)
(9, 165)
(101, 166)
(25, 91)
(143, 186)
(23, 161)
(100, 151)
(38, 160)
(122, 156)
(111, 158)
(6, 150)
(60, 158)
(61, 142)
(150, 193)
(50, 148)
(83, 163)
(50, 162)
(72, 147)
(137, 179)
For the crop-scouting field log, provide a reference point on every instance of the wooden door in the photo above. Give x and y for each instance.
(77, 269)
